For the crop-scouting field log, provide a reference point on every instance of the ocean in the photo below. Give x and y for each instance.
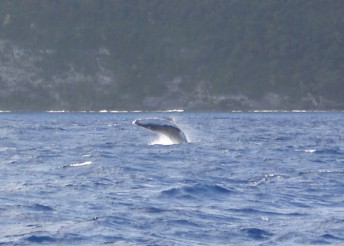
(243, 179)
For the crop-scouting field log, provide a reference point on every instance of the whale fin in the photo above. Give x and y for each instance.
(165, 127)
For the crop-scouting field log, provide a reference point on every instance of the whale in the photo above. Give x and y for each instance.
(165, 127)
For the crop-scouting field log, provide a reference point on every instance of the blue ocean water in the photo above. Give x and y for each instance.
(244, 179)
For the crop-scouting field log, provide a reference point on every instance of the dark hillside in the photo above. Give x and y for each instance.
(160, 54)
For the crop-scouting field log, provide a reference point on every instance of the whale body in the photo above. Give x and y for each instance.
(165, 127)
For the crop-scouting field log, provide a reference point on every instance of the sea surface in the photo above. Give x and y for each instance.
(244, 179)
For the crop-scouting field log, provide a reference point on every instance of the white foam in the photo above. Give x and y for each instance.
(112, 111)
(171, 111)
(310, 150)
(81, 164)
(57, 111)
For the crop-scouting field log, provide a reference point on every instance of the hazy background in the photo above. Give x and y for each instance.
(165, 54)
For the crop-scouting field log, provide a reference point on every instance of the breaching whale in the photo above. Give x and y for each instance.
(165, 127)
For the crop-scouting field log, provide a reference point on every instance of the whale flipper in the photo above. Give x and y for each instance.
(165, 127)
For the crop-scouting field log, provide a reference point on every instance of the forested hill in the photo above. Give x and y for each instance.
(161, 54)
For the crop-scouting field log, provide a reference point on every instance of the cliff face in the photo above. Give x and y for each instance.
(30, 80)
(17, 73)
(155, 55)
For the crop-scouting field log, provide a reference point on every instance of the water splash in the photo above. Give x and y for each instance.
(162, 140)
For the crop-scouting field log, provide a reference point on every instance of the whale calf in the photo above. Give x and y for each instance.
(165, 127)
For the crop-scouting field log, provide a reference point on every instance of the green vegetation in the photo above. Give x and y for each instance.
(291, 48)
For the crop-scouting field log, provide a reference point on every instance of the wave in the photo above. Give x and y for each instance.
(40, 207)
(196, 191)
(322, 171)
(287, 111)
(331, 151)
(257, 234)
(268, 178)
(86, 163)
(81, 164)
(265, 213)
(41, 239)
